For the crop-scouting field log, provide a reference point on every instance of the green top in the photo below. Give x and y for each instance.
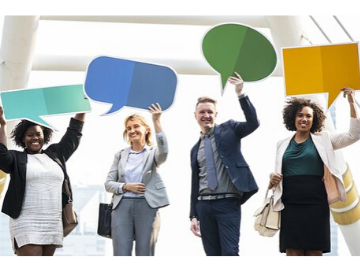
(302, 159)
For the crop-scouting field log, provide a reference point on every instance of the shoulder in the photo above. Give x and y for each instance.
(322, 134)
(118, 153)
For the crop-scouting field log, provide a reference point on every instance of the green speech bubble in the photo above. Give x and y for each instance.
(235, 47)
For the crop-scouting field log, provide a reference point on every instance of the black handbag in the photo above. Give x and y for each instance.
(104, 221)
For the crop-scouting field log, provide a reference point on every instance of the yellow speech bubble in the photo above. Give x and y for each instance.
(321, 69)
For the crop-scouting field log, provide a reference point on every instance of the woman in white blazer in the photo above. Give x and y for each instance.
(137, 187)
(306, 178)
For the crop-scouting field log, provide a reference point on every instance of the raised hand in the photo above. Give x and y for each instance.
(2, 119)
(156, 111)
(238, 82)
(349, 93)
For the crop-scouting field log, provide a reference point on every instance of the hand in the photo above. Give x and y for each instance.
(238, 82)
(194, 227)
(156, 111)
(350, 93)
(2, 119)
(275, 179)
(137, 188)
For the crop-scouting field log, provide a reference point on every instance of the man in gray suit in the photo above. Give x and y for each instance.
(220, 187)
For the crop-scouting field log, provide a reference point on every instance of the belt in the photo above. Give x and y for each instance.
(216, 197)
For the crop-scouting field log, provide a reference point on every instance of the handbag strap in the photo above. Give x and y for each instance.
(66, 183)
(267, 192)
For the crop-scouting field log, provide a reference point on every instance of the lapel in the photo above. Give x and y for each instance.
(146, 157)
(123, 158)
(280, 154)
(216, 134)
(320, 147)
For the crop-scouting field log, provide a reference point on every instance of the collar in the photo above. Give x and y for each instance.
(210, 133)
(138, 152)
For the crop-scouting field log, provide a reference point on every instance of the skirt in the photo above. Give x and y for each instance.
(305, 220)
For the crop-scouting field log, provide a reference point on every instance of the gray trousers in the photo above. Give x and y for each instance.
(133, 220)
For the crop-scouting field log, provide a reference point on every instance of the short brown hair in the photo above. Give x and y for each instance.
(295, 104)
(205, 99)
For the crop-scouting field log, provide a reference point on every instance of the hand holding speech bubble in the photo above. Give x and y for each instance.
(321, 69)
(235, 47)
(130, 83)
(31, 104)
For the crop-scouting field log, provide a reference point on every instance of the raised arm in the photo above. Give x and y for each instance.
(350, 94)
(163, 150)
(80, 117)
(238, 82)
(156, 111)
(3, 138)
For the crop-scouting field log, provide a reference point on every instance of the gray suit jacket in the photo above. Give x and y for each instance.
(155, 193)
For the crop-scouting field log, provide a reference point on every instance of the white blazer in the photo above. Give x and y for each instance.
(325, 143)
(155, 193)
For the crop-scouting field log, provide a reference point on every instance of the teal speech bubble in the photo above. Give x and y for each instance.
(235, 47)
(31, 104)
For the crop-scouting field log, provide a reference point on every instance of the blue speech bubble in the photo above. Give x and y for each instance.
(130, 83)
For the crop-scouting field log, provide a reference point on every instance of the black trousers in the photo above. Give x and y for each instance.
(220, 226)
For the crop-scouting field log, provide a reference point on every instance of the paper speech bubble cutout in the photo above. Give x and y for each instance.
(2, 181)
(130, 83)
(31, 104)
(321, 69)
(235, 47)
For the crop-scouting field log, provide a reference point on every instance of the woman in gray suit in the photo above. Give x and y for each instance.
(138, 189)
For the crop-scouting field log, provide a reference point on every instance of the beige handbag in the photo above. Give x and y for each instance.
(267, 221)
(69, 216)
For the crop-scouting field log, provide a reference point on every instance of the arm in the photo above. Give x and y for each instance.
(162, 151)
(6, 159)
(3, 138)
(350, 94)
(156, 111)
(238, 82)
(80, 116)
(252, 123)
(111, 183)
(341, 140)
(71, 139)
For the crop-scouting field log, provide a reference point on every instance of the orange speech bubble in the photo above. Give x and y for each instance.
(321, 69)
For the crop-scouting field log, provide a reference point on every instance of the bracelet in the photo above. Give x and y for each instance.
(123, 188)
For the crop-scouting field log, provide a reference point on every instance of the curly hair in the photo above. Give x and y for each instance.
(294, 105)
(144, 123)
(18, 133)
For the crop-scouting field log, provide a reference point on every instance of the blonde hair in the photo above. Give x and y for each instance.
(143, 122)
(205, 99)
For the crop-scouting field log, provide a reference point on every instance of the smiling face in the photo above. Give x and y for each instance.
(34, 139)
(205, 115)
(304, 119)
(136, 131)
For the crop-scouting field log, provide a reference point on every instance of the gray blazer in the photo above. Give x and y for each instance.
(155, 193)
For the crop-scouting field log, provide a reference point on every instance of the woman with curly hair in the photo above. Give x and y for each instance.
(306, 178)
(34, 197)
